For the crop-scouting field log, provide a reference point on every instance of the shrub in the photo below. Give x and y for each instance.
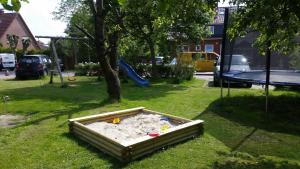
(143, 70)
(87, 69)
(164, 71)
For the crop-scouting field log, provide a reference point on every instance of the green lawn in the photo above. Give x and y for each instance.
(236, 123)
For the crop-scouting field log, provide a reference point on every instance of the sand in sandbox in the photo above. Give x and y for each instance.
(132, 127)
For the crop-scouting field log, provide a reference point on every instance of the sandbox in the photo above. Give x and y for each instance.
(131, 133)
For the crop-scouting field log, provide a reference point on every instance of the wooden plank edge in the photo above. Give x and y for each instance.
(105, 114)
(174, 142)
(165, 114)
(94, 144)
(100, 140)
(97, 134)
(166, 137)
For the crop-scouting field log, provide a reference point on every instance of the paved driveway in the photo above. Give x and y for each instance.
(12, 75)
(8, 75)
(208, 76)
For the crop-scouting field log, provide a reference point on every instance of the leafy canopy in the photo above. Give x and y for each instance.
(277, 21)
(12, 5)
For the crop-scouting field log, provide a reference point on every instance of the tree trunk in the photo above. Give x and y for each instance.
(113, 54)
(111, 77)
(154, 73)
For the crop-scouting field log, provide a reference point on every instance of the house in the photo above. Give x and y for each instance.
(13, 23)
(212, 43)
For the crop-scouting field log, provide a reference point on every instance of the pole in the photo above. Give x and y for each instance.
(268, 65)
(228, 89)
(224, 38)
(57, 62)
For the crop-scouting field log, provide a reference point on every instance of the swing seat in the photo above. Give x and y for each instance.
(71, 79)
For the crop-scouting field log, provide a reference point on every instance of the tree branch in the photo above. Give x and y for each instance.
(92, 6)
(85, 32)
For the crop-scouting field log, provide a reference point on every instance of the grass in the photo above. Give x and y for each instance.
(234, 124)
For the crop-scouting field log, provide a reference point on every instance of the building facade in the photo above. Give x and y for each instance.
(13, 23)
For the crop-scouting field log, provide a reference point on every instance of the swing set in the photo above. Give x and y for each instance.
(53, 41)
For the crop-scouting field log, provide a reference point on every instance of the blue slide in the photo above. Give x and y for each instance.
(128, 70)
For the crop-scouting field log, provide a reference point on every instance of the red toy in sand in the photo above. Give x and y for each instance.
(153, 134)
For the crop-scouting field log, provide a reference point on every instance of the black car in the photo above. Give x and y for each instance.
(33, 66)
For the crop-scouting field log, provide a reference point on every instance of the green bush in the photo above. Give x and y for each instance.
(182, 72)
(143, 70)
(30, 52)
(87, 69)
(164, 71)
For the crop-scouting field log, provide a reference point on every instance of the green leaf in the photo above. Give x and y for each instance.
(121, 2)
(14, 6)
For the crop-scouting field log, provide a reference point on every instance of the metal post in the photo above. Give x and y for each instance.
(223, 48)
(268, 63)
(228, 89)
(221, 84)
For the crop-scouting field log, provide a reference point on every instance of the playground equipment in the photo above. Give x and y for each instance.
(275, 69)
(54, 40)
(129, 71)
(127, 150)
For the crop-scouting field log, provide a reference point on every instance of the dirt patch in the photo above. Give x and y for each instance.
(8, 120)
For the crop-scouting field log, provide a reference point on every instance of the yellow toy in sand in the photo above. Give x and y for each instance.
(164, 128)
(116, 120)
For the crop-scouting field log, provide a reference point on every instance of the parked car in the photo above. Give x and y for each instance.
(159, 60)
(238, 63)
(33, 66)
(7, 61)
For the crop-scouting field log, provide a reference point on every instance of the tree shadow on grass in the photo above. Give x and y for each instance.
(114, 162)
(241, 120)
(89, 90)
(86, 95)
(283, 115)
(156, 90)
(65, 112)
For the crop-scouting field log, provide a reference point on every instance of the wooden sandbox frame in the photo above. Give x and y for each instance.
(139, 147)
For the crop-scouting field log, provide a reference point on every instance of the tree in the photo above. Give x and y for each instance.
(278, 22)
(25, 44)
(152, 21)
(14, 5)
(146, 20)
(108, 64)
(12, 41)
(104, 18)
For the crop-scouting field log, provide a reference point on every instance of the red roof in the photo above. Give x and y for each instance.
(5, 20)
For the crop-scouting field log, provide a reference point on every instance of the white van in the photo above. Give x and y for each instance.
(7, 61)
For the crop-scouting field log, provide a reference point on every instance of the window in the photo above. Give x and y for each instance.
(197, 47)
(211, 29)
(185, 48)
(179, 48)
(209, 48)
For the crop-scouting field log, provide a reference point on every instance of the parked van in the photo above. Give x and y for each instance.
(7, 61)
(204, 61)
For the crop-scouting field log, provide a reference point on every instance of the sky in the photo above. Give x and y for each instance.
(38, 16)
